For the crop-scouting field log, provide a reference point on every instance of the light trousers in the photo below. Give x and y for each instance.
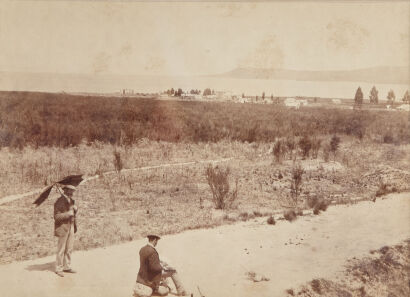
(64, 249)
(164, 288)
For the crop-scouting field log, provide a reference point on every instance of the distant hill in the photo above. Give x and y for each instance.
(385, 74)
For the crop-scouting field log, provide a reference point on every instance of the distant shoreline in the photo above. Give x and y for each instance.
(383, 75)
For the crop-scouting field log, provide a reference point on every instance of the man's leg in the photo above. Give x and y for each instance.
(69, 249)
(61, 247)
(178, 284)
(177, 281)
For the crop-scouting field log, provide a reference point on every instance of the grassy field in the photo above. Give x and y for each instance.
(41, 119)
(126, 205)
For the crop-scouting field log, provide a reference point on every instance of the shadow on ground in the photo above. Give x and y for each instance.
(42, 267)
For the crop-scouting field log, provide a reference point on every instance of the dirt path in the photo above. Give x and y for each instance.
(217, 259)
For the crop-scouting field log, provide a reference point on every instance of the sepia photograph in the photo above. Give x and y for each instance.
(204, 148)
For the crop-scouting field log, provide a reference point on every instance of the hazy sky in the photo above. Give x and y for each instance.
(200, 38)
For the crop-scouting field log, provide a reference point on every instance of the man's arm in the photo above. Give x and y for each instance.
(154, 264)
(166, 267)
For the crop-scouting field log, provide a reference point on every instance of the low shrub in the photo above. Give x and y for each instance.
(305, 145)
(296, 184)
(290, 146)
(279, 150)
(320, 206)
(311, 201)
(118, 163)
(388, 138)
(244, 216)
(290, 215)
(334, 145)
(271, 220)
(326, 152)
(316, 203)
(257, 213)
(218, 181)
(316, 143)
(316, 287)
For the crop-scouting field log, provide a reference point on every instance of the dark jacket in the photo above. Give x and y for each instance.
(62, 219)
(150, 267)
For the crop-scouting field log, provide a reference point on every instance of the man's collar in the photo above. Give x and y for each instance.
(150, 244)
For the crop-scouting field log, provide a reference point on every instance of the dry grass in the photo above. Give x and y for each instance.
(125, 206)
(63, 120)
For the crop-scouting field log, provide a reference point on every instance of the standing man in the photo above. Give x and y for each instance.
(153, 274)
(64, 228)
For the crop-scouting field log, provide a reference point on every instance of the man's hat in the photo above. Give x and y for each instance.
(153, 236)
(71, 187)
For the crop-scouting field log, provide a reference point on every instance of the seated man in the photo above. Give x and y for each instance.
(153, 274)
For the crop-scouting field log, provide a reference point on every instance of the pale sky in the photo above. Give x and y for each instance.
(168, 38)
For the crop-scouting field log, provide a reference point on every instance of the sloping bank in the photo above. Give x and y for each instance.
(384, 272)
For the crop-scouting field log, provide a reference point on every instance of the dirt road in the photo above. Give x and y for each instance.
(216, 259)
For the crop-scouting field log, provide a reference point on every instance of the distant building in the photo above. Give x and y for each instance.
(292, 103)
(303, 102)
(210, 97)
(127, 92)
(405, 107)
(188, 96)
(244, 99)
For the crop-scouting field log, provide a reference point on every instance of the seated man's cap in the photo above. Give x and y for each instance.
(153, 236)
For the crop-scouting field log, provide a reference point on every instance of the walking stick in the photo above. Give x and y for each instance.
(200, 294)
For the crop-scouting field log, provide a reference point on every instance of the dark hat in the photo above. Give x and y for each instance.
(153, 236)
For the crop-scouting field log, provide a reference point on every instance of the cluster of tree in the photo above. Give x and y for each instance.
(374, 97)
(391, 97)
(208, 92)
(358, 98)
(195, 92)
(257, 97)
(406, 97)
(177, 92)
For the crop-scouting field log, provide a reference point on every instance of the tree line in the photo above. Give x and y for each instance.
(374, 96)
(179, 92)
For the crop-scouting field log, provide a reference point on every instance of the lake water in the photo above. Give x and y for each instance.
(155, 84)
